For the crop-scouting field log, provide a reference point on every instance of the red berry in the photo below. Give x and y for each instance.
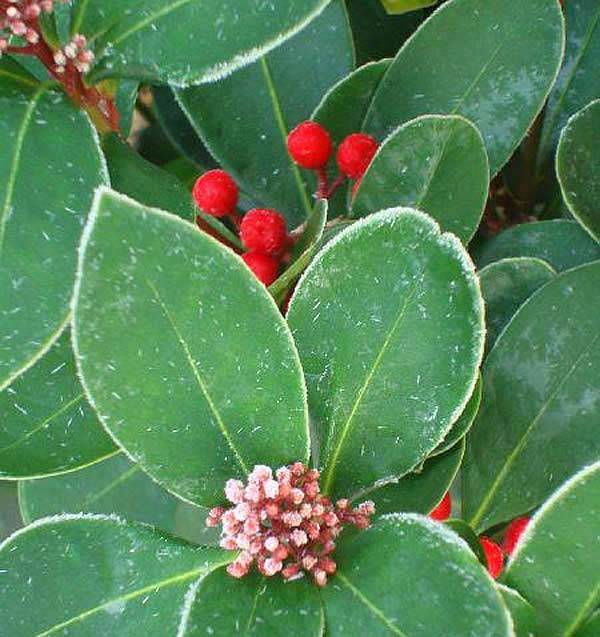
(216, 193)
(264, 266)
(309, 145)
(513, 533)
(355, 154)
(493, 556)
(263, 230)
(443, 510)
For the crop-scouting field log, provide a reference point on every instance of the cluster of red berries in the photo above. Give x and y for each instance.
(262, 231)
(284, 524)
(494, 553)
(310, 146)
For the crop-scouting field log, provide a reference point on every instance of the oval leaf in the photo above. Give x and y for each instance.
(388, 320)
(505, 286)
(96, 575)
(536, 423)
(557, 561)
(45, 194)
(434, 163)
(496, 70)
(46, 424)
(385, 572)
(274, 95)
(578, 167)
(263, 607)
(118, 486)
(185, 42)
(521, 611)
(560, 242)
(196, 391)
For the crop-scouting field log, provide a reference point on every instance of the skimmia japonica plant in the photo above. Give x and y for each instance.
(299, 317)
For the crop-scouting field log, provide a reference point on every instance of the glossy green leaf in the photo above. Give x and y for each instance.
(409, 576)
(46, 189)
(125, 101)
(496, 70)
(274, 95)
(118, 486)
(578, 167)
(522, 612)
(421, 490)
(560, 242)
(388, 320)
(396, 7)
(46, 424)
(464, 531)
(464, 423)
(536, 424)
(303, 250)
(196, 391)
(506, 285)
(212, 38)
(591, 628)
(436, 164)
(577, 82)
(96, 575)
(259, 606)
(556, 564)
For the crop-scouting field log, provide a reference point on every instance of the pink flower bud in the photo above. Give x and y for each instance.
(271, 543)
(271, 567)
(271, 488)
(320, 577)
(299, 538)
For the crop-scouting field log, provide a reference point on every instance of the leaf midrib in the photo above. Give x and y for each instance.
(334, 456)
(512, 457)
(200, 381)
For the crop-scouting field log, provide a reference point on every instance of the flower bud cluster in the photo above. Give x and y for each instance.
(76, 53)
(284, 524)
(19, 18)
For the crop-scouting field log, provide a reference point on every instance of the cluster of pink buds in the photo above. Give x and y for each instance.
(284, 524)
(19, 18)
(76, 53)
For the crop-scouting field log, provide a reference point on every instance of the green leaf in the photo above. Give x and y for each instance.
(536, 423)
(409, 576)
(557, 561)
(388, 320)
(560, 242)
(46, 424)
(196, 391)
(303, 250)
(96, 575)
(45, 194)
(185, 42)
(578, 167)
(521, 611)
(275, 94)
(115, 485)
(222, 605)
(592, 627)
(464, 531)
(496, 71)
(132, 175)
(464, 423)
(396, 7)
(436, 164)
(577, 82)
(421, 490)
(125, 101)
(506, 285)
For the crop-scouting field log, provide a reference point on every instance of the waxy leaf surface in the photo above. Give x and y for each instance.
(556, 565)
(536, 425)
(388, 320)
(96, 575)
(492, 62)
(411, 577)
(196, 390)
(522, 612)
(46, 190)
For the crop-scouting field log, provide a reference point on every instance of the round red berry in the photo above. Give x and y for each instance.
(493, 556)
(263, 230)
(355, 154)
(443, 510)
(513, 533)
(309, 145)
(264, 266)
(216, 193)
